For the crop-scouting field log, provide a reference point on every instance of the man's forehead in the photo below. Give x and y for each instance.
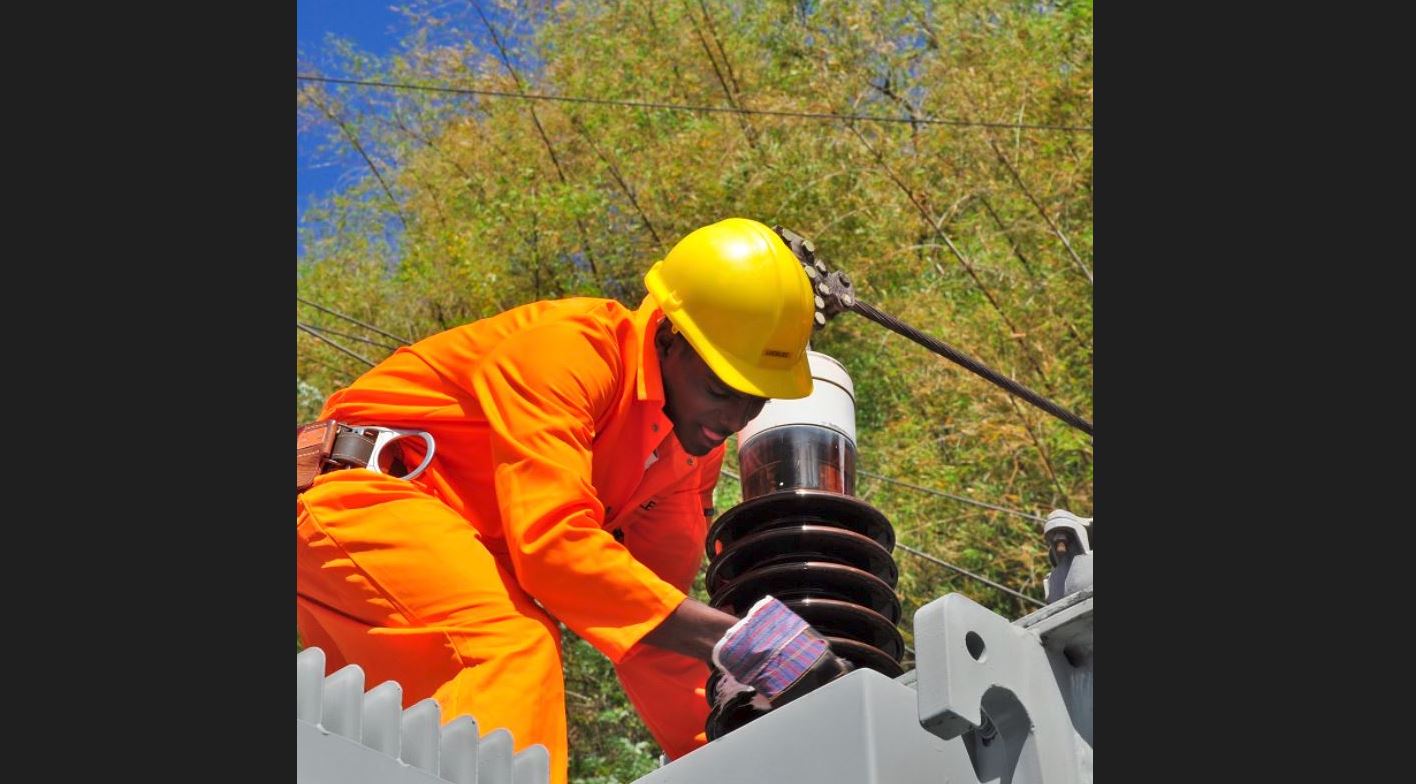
(720, 382)
(711, 377)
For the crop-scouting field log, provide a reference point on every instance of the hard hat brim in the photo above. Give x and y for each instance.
(787, 383)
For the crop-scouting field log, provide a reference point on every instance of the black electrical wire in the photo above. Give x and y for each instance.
(353, 320)
(691, 108)
(967, 573)
(961, 499)
(943, 563)
(318, 336)
(328, 331)
(968, 362)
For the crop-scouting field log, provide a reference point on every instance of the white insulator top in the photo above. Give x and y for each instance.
(830, 404)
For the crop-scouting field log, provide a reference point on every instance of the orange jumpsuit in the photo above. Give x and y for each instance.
(551, 442)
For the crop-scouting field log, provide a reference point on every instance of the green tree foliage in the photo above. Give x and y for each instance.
(982, 236)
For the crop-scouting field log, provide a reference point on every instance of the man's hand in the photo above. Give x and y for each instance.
(775, 653)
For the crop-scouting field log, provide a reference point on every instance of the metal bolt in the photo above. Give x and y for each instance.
(821, 265)
(809, 246)
(987, 732)
(820, 303)
(845, 281)
(820, 319)
(812, 273)
(848, 300)
(823, 288)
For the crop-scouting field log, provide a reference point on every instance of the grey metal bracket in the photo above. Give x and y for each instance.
(995, 685)
(1069, 548)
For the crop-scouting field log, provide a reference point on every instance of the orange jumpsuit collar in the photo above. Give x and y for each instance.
(649, 382)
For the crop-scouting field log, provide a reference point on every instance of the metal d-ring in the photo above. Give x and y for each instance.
(387, 435)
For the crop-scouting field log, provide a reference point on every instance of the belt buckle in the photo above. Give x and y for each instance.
(383, 436)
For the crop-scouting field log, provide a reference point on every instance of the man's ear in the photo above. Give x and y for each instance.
(664, 337)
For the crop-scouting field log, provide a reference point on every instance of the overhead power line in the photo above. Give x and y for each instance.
(969, 363)
(318, 336)
(692, 108)
(958, 498)
(337, 333)
(940, 562)
(353, 320)
(931, 491)
(967, 573)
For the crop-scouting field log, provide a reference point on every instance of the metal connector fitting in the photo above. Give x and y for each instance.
(832, 287)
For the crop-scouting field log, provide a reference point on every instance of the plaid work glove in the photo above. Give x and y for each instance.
(774, 653)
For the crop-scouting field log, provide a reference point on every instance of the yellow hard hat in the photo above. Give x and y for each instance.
(741, 298)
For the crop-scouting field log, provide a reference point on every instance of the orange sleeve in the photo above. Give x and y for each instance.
(667, 688)
(540, 391)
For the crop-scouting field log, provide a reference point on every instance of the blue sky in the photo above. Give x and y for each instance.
(371, 25)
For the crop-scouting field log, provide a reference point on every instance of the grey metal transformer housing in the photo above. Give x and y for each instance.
(989, 701)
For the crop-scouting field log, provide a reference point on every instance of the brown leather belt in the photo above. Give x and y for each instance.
(321, 447)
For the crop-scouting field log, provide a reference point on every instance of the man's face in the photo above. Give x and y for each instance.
(703, 409)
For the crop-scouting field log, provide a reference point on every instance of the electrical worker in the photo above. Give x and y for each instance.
(575, 448)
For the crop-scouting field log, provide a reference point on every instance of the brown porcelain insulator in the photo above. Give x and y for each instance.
(797, 543)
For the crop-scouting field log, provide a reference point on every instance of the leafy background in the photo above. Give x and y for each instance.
(980, 234)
